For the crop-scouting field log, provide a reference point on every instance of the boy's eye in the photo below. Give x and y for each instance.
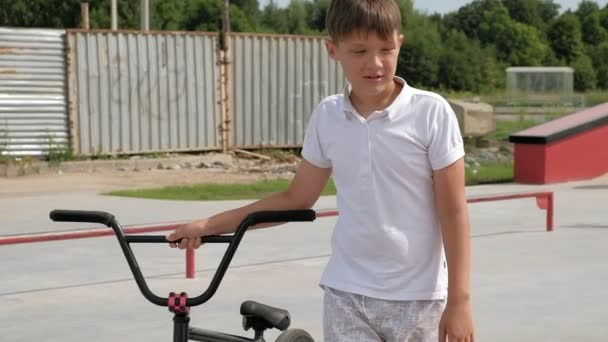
(359, 51)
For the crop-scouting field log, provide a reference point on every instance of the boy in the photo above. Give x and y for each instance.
(396, 155)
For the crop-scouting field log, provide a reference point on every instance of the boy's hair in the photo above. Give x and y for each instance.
(348, 16)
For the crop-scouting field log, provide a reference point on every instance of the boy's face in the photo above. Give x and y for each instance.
(368, 61)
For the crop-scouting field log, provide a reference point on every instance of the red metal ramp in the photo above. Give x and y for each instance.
(574, 147)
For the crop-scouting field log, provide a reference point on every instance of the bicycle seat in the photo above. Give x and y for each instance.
(273, 317)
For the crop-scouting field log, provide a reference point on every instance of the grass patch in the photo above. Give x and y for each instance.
(216, 192)
(595, 98)
(505, 128)
(489, 174)
(497, 173)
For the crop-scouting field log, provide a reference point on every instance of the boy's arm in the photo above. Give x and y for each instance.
(452, 209)
(303, 192)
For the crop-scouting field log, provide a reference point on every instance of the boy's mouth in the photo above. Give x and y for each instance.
(374, 77)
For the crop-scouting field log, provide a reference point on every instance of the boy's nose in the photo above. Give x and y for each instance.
(375, 61)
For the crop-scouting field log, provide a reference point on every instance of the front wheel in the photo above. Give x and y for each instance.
(294, 335)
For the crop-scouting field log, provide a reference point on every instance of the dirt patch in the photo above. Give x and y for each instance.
(103, 176)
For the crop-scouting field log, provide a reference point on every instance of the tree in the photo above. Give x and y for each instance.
(599, 57)
(551, 60)
(586, 8)
(602, 77)
(584, 74)
(202, 15)
(419, 56)
(604, 17)
(517, 43)
(248, 8)
(592, 31)
(565, 37)
(462, 65)
(468, 18)
(407, 10)
(167, 14)
(40, 13)
(317, 13)
(525, 11)
(100, 16)
(548, 10)
(251, 7)
(239, 21)
(274, 19)
(297, 17)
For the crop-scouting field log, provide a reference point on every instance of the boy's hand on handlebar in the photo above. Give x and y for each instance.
(189, 233)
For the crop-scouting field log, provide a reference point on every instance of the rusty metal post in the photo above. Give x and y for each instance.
(225, 61)
(84, 15)
(114, 14)
(221, 101)
(145, 15)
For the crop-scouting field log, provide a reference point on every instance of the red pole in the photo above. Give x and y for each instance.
(327, 213)
(550, 212)
(190, 263)
(82, 234)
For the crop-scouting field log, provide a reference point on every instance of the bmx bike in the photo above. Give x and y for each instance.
(256, 316)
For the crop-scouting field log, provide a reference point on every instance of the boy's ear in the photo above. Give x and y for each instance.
(331, 49)
(401, 40)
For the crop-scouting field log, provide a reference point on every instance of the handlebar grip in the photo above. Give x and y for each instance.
(82, 216)
(281, 216)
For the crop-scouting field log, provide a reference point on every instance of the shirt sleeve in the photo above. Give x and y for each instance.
(312, 150)
(446, 145)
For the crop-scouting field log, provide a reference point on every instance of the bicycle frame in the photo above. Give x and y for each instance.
(180, 304)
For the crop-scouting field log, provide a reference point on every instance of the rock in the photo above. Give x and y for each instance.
(469, 159)
(219, 164)
(505, 150)
(256, 169)
(204, 165)
(487, 156)
(225, 160)
(283, 169)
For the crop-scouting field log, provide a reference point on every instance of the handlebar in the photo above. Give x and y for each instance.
(107, 219)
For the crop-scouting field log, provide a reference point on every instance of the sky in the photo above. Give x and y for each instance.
(444, 6)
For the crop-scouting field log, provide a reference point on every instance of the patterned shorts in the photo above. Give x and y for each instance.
(350, 317)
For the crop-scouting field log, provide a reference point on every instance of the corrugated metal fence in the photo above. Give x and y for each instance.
(277, 81)
(33, 113)
(134, 92)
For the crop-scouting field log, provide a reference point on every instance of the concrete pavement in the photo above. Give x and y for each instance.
(528, 285)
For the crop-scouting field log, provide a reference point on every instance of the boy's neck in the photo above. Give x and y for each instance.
(366, 105)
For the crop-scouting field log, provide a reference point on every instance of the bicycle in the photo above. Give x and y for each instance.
(256, 316)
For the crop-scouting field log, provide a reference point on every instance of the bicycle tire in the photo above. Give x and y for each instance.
(294, 335)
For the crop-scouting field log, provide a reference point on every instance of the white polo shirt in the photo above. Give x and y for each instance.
(387, 242)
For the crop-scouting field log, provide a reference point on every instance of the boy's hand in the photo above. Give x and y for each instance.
(456, 323)
(190, 233)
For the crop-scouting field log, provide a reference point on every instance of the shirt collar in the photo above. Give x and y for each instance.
(391, 111)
